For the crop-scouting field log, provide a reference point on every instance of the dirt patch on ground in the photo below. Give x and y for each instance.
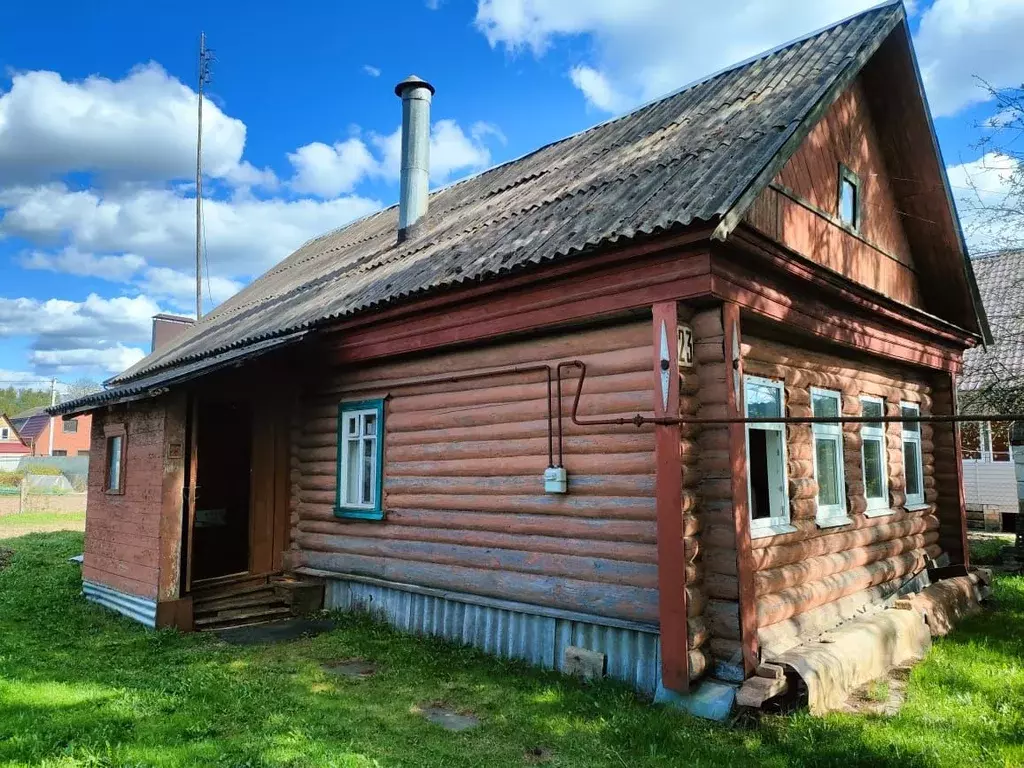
(448, 717)
(353, 669)
(883, 696)
(5, 557)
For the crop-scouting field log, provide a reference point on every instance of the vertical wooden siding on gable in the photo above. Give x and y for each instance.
(122, 531)
(465, 508)
(880, 258)
(801, 578)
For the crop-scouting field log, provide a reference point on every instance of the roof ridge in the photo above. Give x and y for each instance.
(678, 91)
(510, 216)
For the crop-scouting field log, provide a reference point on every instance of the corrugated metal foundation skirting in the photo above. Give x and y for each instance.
(141, 609)
(633, 654)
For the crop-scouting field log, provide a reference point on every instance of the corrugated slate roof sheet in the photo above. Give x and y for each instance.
(1000, 279)
(676, 161)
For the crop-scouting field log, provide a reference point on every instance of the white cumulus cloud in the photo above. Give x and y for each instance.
(637, 50)
(452, 150)
(330, 170)
(142, 127)
(96, 182)
(962, 41)
(94, 334)
(70, 261)
(988, 198)
(640, 49)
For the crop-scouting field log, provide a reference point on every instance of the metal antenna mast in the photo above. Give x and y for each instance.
(205, 58)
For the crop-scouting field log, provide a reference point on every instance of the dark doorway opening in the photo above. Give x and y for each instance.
(220, 529)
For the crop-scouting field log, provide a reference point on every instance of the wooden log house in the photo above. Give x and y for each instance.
(390, 409)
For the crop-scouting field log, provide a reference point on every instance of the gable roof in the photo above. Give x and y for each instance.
(1000, 278)
(31, 423)
(698, 155)
(18, 446)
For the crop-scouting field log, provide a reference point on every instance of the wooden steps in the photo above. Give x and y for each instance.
(243, 600)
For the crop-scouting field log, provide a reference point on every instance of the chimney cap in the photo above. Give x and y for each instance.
(411, 81)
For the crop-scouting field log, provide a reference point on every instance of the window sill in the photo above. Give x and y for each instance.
(880, 512)
(359, 514)
(917, 507)
(834, 522)
(778, 529)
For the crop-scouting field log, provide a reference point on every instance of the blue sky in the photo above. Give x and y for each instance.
(97, 128)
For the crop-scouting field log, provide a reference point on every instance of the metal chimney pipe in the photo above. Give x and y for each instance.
(412, 201)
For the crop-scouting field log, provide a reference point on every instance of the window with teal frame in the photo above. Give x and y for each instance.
(360, 460)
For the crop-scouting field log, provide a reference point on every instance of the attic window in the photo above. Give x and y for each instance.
(849, 198)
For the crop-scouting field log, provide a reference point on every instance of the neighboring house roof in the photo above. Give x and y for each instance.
(698, 155)
(30, 424)
(1000, 277)
(12, 446)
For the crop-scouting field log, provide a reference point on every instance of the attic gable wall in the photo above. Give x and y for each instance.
(12, 433)
(800, 207)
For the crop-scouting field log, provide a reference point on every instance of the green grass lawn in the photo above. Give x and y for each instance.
(82, 687)
(21, 523)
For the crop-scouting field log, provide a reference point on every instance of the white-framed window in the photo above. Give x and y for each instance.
(876, 481)
(767, 494)
(828, 458)
(913, 465)
(983, 441)
(5, 433)
(360, 459)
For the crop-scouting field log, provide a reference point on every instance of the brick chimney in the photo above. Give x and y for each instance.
(166, 328)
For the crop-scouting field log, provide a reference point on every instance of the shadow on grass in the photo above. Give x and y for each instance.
(83, 686)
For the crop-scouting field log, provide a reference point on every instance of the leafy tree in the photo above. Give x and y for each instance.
(13, 401)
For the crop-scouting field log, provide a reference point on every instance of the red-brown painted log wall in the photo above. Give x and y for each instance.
(799, 210)
(464, 503)
(805, 571)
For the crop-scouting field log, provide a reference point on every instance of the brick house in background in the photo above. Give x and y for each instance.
(70, 437)
(990, 481)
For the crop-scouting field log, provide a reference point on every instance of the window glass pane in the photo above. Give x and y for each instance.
(873, 481)
(370, 424)
(848, 202)
(827, 455)
(872, 408)
(368, 460)
(352, 425)
(825, 405)
(970, 439)
(352, 472)
(760, 506)
(1000, 432)
(763, 401)
(912, 457)
(114, 466)
(910, 426)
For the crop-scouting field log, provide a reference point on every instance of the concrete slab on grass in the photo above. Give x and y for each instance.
(712, 700)
(448, 719)
(275, 631)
